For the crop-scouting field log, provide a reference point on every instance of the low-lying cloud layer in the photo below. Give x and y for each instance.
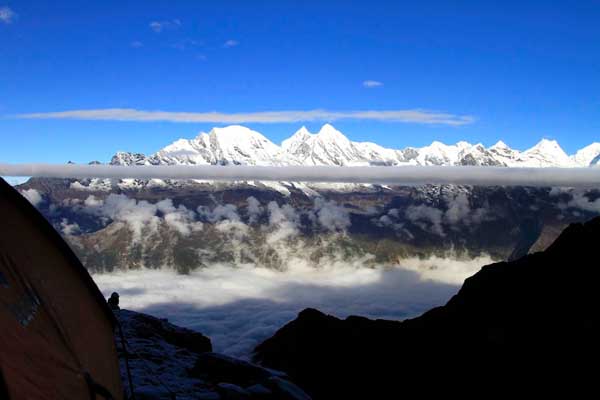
(139, 215)
(405, 175)
(240, 306)
(577, 199)
(458, 215)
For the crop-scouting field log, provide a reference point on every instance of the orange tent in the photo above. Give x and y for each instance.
(56, 330)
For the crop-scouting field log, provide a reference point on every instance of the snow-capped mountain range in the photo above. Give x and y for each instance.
(238, 145)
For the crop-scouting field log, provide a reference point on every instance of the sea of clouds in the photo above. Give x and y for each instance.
(240, 306)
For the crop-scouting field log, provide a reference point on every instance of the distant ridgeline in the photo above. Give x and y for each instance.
(238, 145)
(194, 225)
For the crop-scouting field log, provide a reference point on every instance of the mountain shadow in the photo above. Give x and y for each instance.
(528, 326)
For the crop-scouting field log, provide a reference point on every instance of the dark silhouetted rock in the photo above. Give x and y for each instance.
(259, 391)
(528, 326)
(229, 391)
(223, 368)
(284, 389)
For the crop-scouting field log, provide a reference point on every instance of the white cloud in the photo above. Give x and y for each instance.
(78, 186)
(254, 209)
(68, 228)
(579, 200)
(159, 26)
(181, 219)
(230, 43)
(415, 116)
(449, 269)
(372, 84)
(284, 220)
(459, 214)
(93, 201)
(138, 215)
(141, 216)
(33, 196)
(220, 212)
(7, 16)
(331, 216)
(390, 220)
(427, 218)
(460, 211)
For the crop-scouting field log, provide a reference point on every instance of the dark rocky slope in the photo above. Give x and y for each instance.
(168, 362)
(526, 326)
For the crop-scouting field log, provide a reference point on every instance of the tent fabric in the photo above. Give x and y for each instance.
(56, 330)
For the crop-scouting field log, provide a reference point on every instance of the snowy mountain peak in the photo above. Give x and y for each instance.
(298, 144)
(329, 131)
(547, 153)
(437, 144)
(237, 144)
(328, 147)
(291, 143)
(178, 146)
(302, 132)
(438, 153)
(587, 155)
(236, 133)
(546, 145)
(500, 145)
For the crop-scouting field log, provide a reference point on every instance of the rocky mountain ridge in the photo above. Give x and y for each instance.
(526, 326)
(195, 226)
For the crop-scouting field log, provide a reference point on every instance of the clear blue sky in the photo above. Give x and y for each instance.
(522, 70)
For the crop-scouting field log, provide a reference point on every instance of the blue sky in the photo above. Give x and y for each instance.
(512, 70)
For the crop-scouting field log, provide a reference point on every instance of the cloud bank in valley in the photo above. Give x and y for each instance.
(141, 214)
(458, 215)
(404, 175)
(240, 306)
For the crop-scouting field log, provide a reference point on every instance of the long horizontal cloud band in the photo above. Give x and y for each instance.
(127, 114)
(406, 175)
